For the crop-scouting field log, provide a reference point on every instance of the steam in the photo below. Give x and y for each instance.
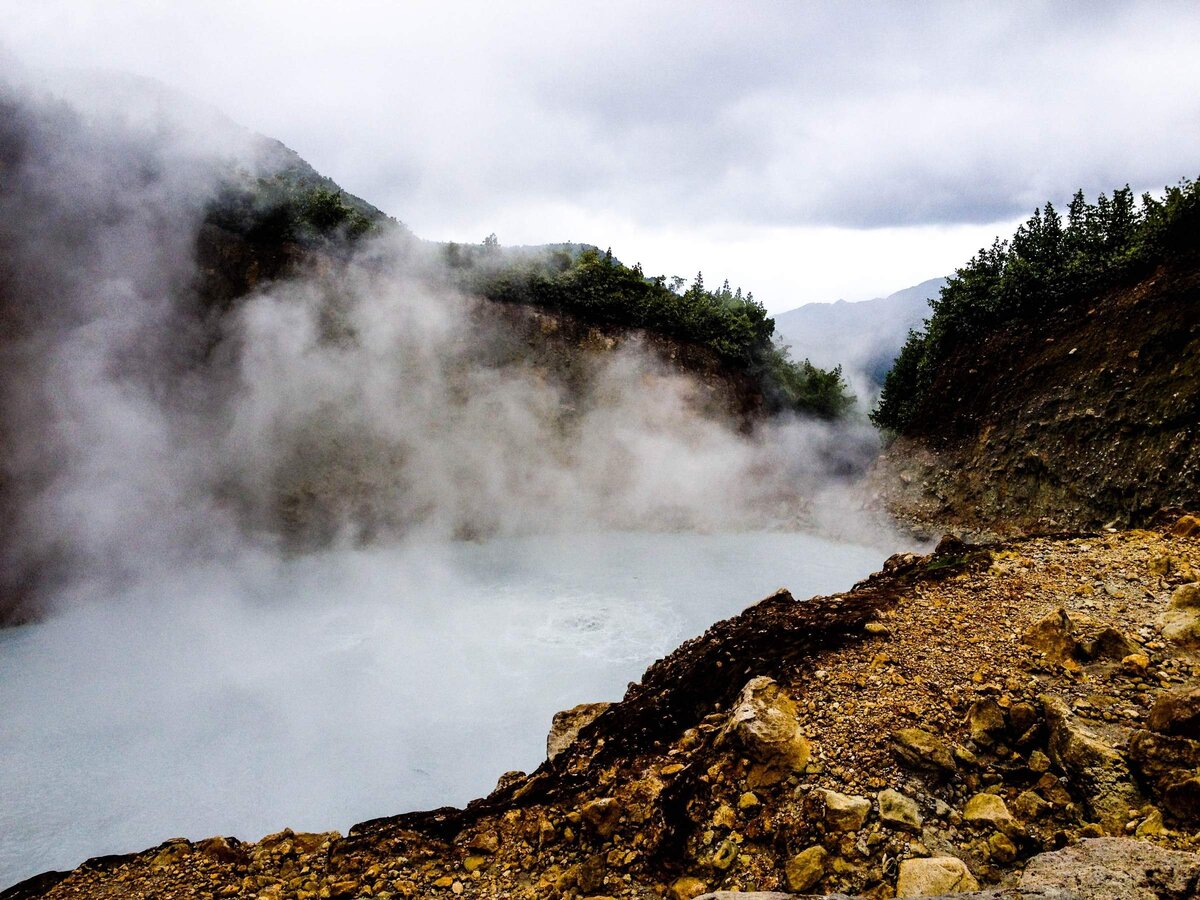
(341, 548)
(362, 401)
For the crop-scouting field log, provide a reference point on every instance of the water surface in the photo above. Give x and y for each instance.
(328, 690)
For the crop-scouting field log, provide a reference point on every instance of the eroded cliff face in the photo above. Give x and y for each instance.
(1077, 422)
(1021, 716)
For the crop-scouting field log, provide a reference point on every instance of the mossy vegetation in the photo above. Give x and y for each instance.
(1049, 266)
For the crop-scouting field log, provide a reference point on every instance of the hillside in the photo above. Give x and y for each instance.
(843, 744)
(1057, 385)
(864, 338)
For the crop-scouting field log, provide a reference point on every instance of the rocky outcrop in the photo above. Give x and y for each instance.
(1116, 869)
(792, 750)
(567, 724)
(1181, 622)
(764, 725)
(1077, 420)
(1110, 791)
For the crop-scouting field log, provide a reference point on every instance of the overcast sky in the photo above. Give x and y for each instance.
(804, 151)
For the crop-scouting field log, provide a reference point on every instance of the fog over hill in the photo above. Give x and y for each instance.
(863, 338)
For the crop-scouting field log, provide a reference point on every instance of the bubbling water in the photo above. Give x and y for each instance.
(330, 689)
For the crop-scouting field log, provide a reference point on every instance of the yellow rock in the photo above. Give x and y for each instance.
(724, 817)
(687, 888)
(931, 877)
(806, 868)
(1136, 663)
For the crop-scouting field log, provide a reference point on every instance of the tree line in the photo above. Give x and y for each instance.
(596, 287)
(1050, 265)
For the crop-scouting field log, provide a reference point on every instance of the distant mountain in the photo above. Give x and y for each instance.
(863, 338)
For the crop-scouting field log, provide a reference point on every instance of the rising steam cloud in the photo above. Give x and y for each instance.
(357, 402)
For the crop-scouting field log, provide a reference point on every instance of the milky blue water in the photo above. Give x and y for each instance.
(324, 691)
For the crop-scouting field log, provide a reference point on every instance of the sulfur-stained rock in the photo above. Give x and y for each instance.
(844, 812)
(764, 724)
(922, 750)
(221, 849)
(1186, 596)
(1107, 643)
(1177, 713)
(510, 778)
(1111, 791)
(1170, 765)
(985, 722)
(990, 810)
(602, 815)
(1181, 622)
(1186, 526)
(1053, 635)
(1152, 825)
(933, 876)
(1030, 806)
(1061, 637)
(567, 724)
(722, 858)
(899, 811)
(1023, 718)
(171, 852)
(484, 842)
(1001, 848)
(1136, 663)
(806, 868)
(687, 888)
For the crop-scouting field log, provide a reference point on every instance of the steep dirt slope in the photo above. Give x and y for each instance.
(945, 724)
(1088, 418)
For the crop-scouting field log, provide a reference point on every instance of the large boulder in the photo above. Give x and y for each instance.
(1170, 765)
(1177, 713)
(764, 723)
(1102, 772)
(566, 725)
(1116, 869)
(933, 876)
(921, 750)
(1181, 622)
(1061, 636)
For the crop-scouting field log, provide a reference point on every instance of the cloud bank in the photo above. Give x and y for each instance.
(540, 122)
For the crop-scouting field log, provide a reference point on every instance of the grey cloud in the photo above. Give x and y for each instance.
(862, 115)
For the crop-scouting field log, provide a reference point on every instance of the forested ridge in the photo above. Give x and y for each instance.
(596, 287)
(301, 207)
(1049, 266)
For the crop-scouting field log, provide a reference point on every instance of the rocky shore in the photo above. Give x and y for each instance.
(1020, 719)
